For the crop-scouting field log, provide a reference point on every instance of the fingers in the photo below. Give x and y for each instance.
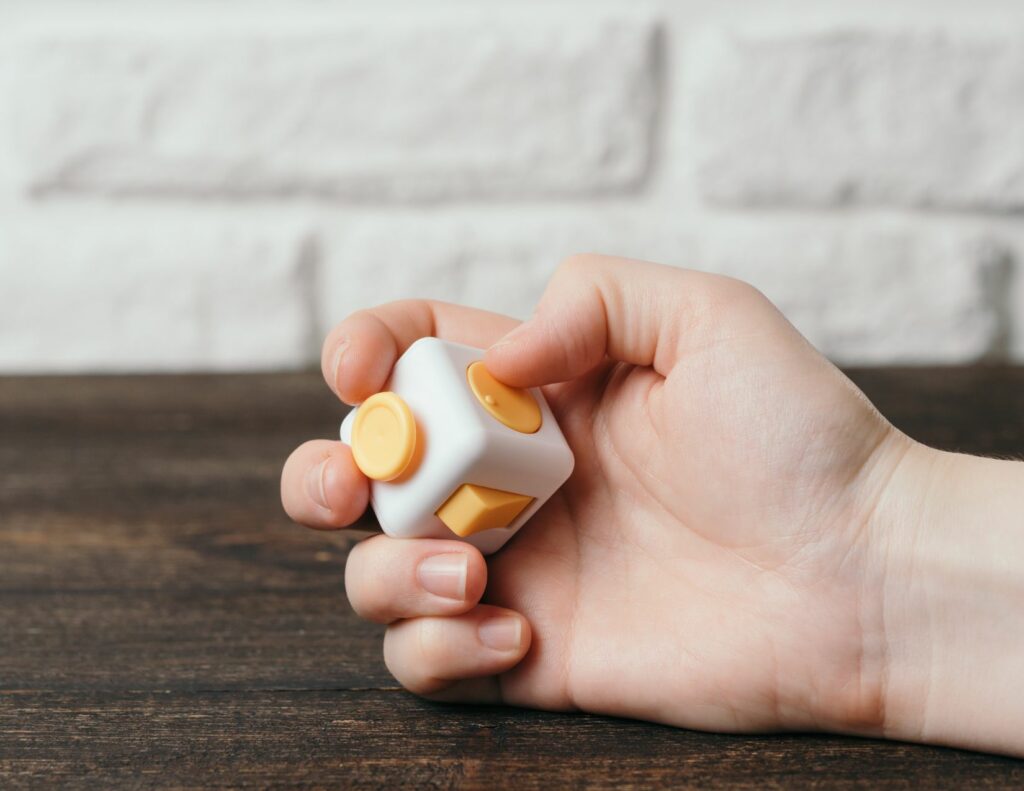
(441, 642)
(597, 306)
(322, 487)
(430, 655)
(358, 354)
(387, 578)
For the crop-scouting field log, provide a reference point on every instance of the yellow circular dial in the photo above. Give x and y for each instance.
(383, 437)
(513, 406)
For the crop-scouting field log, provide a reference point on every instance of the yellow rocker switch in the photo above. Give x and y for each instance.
(474, 508)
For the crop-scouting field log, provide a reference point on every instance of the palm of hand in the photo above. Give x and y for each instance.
(716, 511)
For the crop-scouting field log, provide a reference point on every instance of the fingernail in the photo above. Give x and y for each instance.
(445, 575)
(339, 352)
(503, 633)
(315, 484)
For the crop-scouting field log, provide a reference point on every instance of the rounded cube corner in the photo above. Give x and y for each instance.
(422, 344)
(568, 463)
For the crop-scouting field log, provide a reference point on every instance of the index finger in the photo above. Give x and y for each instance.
(359, 352)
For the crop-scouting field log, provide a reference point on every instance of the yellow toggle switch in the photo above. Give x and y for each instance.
(513, 406)
(474, 508)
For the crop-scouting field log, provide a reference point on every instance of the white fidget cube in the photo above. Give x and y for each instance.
(452, 452)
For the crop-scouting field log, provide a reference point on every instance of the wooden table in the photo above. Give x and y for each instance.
(162, 623)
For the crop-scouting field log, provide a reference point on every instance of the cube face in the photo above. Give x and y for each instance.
(462, 443)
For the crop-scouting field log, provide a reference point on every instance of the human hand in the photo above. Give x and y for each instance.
(716, 560)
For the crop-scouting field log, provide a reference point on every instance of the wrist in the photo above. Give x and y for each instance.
(947, 548)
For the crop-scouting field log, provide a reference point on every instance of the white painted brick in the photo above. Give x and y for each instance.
(877, 297)
(499, 263)
(912, 119)
(868, 296)
(391, 110)
(397, 107)
(168, 296)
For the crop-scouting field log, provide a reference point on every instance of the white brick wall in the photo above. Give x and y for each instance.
(184, 186)
(911, 119)
(385, 110)
(882, 295)
(152, 296)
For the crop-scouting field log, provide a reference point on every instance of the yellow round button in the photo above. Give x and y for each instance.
(383, 437)
(514, 407)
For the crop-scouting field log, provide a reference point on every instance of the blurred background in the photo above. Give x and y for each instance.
(211, 185)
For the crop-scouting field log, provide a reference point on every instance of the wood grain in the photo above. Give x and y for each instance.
(163, 624)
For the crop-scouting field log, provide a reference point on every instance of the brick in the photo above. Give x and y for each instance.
(904, 119)
(880, 296)
(871, 296)
(500, 264)
(393, 111)
(167, 296)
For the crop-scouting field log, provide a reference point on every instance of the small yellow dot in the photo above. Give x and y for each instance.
(489, 399)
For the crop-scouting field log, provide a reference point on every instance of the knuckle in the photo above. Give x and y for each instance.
(306, 448)
(391, 655)
(430, 643)
(601, 276)
(355, 584)
(407, 670)
(740, 290)
(727, 293)
(291, 471)
(363, 573)
(297, 453)
(330, 342)
(292, 461)
(396, 305)
(338, 332)
(578, 264)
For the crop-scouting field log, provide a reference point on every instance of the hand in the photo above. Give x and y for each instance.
(714, 560)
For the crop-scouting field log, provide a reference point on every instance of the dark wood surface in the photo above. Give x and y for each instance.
(163, 624)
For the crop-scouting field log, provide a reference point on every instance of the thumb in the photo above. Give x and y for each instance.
(599, 307)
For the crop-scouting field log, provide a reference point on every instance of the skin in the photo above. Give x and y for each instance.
(745, 544)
